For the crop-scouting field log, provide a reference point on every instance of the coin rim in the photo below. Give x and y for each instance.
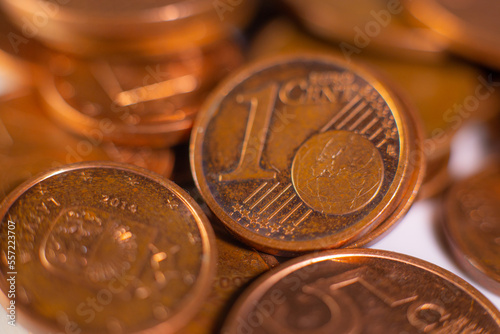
(451, 224)
(290, 248)
(259, 287)
(188, 307)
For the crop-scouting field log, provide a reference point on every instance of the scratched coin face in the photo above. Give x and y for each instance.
(301, 153)
(107, 248)
(135, 103)
(361, 291)
(472, 225)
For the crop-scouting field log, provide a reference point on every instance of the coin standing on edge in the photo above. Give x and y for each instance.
(361, 291)
(105, 247)
(472, 226)
(303, 153)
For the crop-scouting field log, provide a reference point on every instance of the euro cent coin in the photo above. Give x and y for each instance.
(105, 248)
(302, 153)
(472, 226)
(361, 291)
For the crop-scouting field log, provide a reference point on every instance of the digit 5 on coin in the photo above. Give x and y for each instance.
(301, 153)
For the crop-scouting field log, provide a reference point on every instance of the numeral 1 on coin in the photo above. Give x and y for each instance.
(261, 107)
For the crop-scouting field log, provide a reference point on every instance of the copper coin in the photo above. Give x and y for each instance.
(105, 247)
(135, 103)
(472, 226)
(378, 25)
(130, 27)
(31, 143)
(448, 93)
(361, 291)
(472, 27)
(437, 178)
(301, 153)
(237, 265)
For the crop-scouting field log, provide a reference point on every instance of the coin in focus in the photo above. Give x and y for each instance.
(105, 247)
(361, 291)
(301, 153)
(471, 26)
(472, 226)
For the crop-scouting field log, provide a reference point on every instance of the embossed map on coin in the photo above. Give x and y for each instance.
(301, 153)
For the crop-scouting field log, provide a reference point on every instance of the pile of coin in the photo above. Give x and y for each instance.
(342, 118)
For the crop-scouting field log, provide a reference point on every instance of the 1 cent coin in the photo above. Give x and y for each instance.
(472, 226)
(361, 291)
(107, 248)
(300, 153)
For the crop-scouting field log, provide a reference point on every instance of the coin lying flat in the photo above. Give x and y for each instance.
(107, 248)
(375, 25)
(30, 143)
(236, 266)
(472, 226)
(135, 103)
(157, 27)
(361, 291)
(471, 27)
(301, 153)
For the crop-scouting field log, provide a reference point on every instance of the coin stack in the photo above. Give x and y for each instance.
(342, 119)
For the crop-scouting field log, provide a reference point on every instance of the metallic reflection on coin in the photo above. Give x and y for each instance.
(31, 143)
(135, 102)
(276, 154)
(107, 248)
(134, 28)
(361, 291)
(358, 26)
(472, 225)
(471, 26)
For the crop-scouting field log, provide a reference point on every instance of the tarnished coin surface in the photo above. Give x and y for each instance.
(104, 248)
(471, 26)
(472, 226)
(305, 152)
(361, 291)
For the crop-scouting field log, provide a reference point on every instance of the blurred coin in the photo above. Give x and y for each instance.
(147, 103)
(437, 178)
(380, 25)
(361, 291)
(471, 26)
(145, 28)
(30, 143)
(472, 225)
(300, 153)
(106, 248)
(237, 265)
